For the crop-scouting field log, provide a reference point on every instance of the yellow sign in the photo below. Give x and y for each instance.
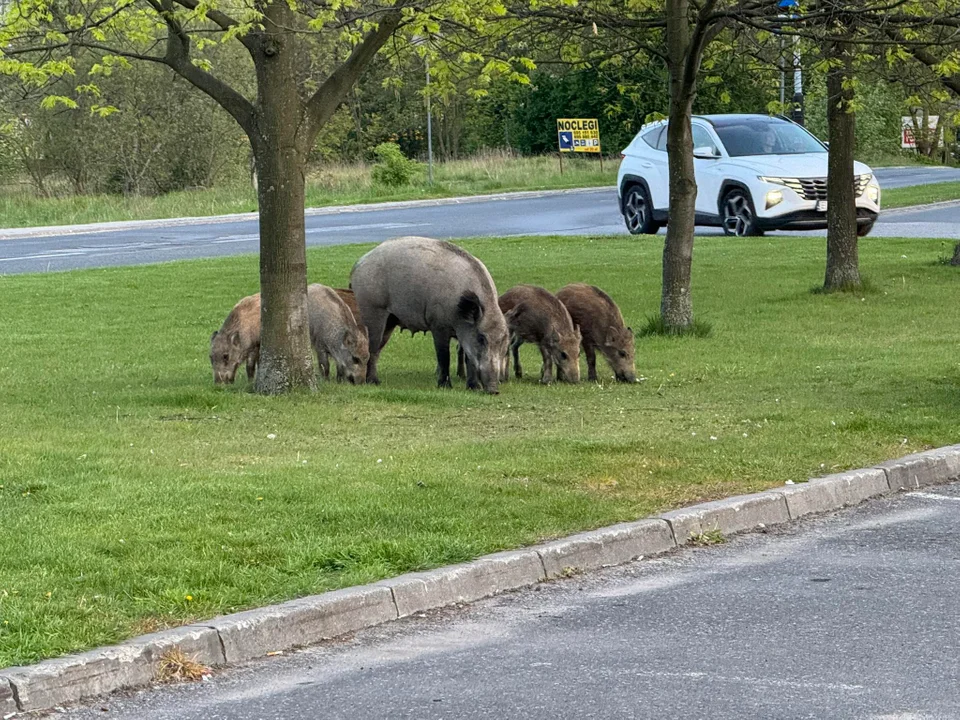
(578, 135)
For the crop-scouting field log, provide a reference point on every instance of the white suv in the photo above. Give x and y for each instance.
(754, 173)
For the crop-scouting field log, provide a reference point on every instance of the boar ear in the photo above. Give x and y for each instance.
(511, 315)
(470, 308)
(235, 339)
(612, 336)
(345, 338)
(215, 333)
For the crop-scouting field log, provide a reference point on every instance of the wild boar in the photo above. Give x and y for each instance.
(433, 286)
(603, 329)
(237, 341)
(334, 331)
(348, 297)
(536, 316)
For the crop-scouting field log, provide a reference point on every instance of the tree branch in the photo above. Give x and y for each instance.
(327, 98)
(178, 58)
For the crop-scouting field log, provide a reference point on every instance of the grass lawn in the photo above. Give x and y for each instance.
(335, 184)
(134, 495)
(920, 194)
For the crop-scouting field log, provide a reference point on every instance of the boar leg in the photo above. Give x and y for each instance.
(252, 359)
(460, 367)
(376, 328)
(441, 342)
(591, 354)
(515, 347)
(473, 375)
(324, 361)
(341, 373)
(546, 375)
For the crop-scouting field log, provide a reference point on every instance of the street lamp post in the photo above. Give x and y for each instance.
(796, 103)
(429, 127)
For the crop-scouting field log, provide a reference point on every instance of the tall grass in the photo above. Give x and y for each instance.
(328, 184)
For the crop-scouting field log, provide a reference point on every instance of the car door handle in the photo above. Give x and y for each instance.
(646, 164)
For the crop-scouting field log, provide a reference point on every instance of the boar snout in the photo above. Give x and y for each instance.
(626, 377)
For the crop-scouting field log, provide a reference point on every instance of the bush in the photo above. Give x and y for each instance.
(393, 168)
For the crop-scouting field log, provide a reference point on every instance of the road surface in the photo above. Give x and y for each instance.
(852, 615)
(593, 212)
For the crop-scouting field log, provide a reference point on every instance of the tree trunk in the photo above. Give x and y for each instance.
(286, 361)
(843, 264)
(676, 304)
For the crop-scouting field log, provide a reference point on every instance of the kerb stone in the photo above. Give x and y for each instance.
(614, 545)
(8, 705)
(255, 633)
(484, 577)
(833, 491)
(933, 467)
(98, 672)
(731, 516)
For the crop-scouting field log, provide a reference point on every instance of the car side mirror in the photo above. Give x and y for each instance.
(705, 153)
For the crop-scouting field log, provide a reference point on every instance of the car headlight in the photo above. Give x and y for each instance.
(773, 180)
(774, 197)
(873, 193)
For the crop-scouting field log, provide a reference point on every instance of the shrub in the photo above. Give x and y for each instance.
(393, 168)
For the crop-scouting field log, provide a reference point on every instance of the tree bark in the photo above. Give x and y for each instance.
(676, 303)
(285, 361)
(843, 263)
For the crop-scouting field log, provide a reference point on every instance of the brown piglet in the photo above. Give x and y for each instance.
(237, 341)
(602, 328)
(535, 315)
(334, 331)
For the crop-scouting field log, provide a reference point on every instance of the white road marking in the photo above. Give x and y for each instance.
(739, 679)
(143, 246)
(934, 496)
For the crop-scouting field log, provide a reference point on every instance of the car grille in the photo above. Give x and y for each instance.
(816, 188)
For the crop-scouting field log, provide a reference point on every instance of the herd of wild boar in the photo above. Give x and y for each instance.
(424, 285)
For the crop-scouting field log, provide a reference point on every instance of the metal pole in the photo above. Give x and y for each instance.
(783, 75)
(429, 128)
(797, 114)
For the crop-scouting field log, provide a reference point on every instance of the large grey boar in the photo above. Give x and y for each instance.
(237, 341)
(432, 286)
(334, 331)
(603, 329)
(536, 316)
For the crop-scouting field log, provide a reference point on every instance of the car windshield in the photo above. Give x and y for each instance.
(766, 136)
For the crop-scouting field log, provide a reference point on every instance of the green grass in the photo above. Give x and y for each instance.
(128, 482)
(329, 185)
(920, 194)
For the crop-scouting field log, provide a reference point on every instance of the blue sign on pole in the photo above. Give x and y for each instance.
(566, 140)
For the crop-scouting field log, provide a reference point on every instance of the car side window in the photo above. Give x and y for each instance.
(662, 140)
(652, 137)
(702, 139)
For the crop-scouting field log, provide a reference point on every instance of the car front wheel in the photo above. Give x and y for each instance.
(864, 229)
(638, 212)
(738, 214)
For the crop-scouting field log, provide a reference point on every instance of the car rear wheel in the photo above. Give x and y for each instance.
(738, 214)
(638, 212)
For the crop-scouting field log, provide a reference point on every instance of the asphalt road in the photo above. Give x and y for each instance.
(852, 615)
(593, 212)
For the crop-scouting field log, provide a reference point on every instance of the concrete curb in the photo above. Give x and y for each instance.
(919, 208)
(121, 225)
(255, 633)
